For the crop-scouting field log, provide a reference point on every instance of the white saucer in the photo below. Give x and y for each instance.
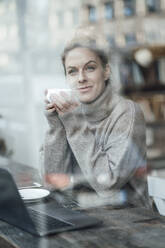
(33, 194)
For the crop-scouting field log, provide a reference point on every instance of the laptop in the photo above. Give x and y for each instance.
(38, 220)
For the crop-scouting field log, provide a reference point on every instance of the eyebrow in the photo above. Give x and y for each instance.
(90, 61)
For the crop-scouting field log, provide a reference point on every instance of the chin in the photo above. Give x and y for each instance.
(87, 99)
(84, 100)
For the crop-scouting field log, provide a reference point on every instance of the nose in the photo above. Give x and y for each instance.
(81, 77)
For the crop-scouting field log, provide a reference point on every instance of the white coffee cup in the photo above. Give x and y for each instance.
(57, 91)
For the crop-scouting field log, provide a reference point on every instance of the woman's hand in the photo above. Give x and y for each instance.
(61, 102)
(49, 106)
(58, 180)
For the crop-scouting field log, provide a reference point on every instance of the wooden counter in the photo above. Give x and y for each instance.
(122, 227)
(129, 227)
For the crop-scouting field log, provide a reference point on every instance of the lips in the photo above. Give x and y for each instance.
(84, 88)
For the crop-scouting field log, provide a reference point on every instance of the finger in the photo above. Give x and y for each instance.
(59, 111)
(50, 105)
(60, 102)
(69, 99)
(65, 96)
(51, 110)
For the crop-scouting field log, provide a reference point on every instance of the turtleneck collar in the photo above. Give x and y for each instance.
(101, 108)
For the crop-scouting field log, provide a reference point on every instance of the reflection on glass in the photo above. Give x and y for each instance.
(153, 5)
(109, 10)
(92, 13)
(129, 7)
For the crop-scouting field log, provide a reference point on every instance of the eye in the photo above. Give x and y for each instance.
(90, 68)
(72, 72)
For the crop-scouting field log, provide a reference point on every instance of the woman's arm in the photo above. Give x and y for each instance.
(55, 154)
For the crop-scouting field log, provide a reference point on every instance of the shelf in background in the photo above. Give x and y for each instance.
(156, 124)
(156, 163)
(137, 93)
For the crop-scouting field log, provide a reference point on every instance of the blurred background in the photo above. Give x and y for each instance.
(32, 37)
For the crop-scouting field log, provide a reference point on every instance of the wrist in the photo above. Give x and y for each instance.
(52, 118)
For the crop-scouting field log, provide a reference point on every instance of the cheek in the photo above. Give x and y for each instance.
(99, 80)
(70, 81)
(99, 83)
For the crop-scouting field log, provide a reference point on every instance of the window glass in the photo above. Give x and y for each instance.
(109, 10)
(75, 16)
(60, 18)
(92, 13)
(130, 38)
(153, 5)
(111, 40)
(129, 7)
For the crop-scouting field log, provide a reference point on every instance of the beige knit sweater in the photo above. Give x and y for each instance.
(102, 142)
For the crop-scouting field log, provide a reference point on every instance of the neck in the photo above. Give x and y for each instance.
(101, 107)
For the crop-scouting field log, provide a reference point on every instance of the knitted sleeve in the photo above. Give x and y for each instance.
(55, 154)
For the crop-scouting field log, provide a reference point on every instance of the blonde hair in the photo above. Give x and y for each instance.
(89, 35)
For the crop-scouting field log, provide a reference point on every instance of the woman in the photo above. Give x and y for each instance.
(101, 139)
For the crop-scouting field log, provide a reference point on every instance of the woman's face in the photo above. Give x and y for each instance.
(85, 73)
